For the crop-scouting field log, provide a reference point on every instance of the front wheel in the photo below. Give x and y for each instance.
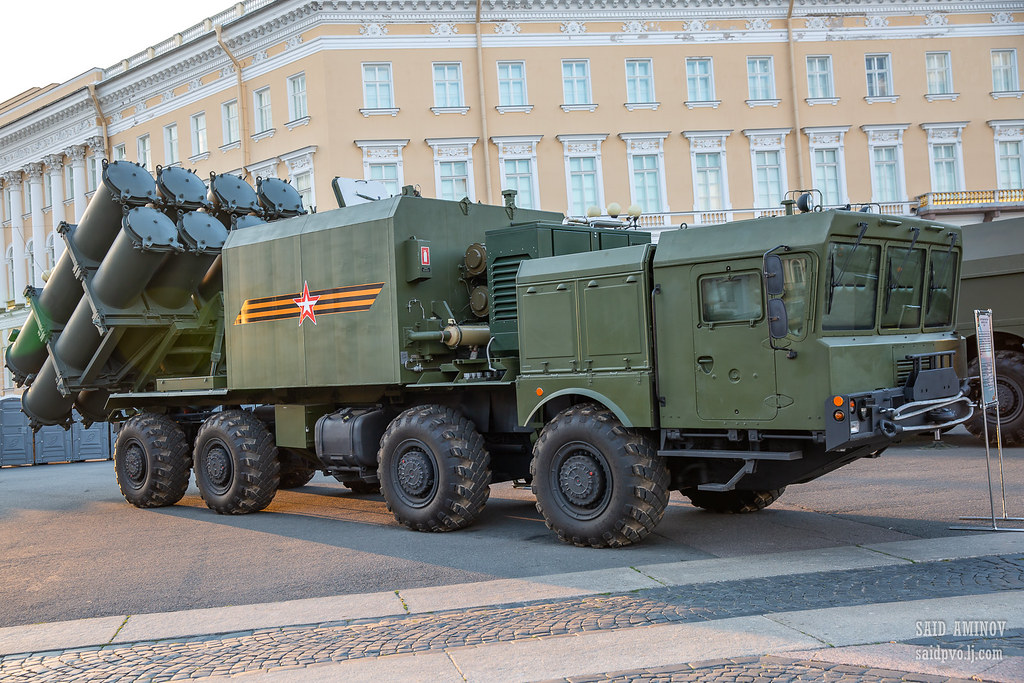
(236, 463)
(434, 470)
(1009, 393)
(151, 461)
(733, 501)
(597, 483)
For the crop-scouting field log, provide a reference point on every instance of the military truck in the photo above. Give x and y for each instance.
(429, 348)
(993, 277)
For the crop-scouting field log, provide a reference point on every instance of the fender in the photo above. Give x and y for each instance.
(589, 393)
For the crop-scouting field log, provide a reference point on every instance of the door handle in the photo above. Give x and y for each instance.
(706, 363)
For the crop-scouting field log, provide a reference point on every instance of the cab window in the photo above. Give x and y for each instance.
(904, 278)
(797, 293)
(940, 284)
(852, 277)
(731, 297)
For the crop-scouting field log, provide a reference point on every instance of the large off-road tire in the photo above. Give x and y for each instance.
(151, 461)
(733, 501)
(295, 470)
(236, 463)
(434, 470)
(597, 483)
(1010, 392)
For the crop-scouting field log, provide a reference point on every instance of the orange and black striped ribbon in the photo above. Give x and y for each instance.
(334, 300)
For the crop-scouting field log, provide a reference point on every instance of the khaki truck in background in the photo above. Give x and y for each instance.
(993, 277)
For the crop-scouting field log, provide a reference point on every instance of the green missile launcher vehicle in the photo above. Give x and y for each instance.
(430, 348)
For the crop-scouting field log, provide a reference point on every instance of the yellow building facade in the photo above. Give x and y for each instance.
(698, 112)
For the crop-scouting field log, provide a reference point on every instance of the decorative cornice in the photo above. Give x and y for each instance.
(54, 162)
(34, 171)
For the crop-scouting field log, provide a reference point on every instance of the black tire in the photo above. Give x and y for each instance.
(295, 470)
(151, 461)
(361, 487)
(597, 483)
(1010, 392)
(434, 470)
(236, 463)
(733, 502)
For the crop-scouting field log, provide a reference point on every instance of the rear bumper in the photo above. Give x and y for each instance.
(856, 420)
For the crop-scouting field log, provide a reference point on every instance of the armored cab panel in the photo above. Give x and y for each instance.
(993, 272)
(325, 300)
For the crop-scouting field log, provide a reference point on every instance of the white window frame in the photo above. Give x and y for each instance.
(692, 102)
(47, 189)
(232, 138)
(873, 96)
(632, 103)
(454, 149)
(576, 146)
(950, 133)
(12, 293)
(447, 107)
(525, 106)
(710, 142)
(888, 135)
(768, 140)
(199, 138)
(648, 144)
(50, 253)
(1014, 78)
(518, 148)
(830, 137)
(589, 105)
(383, 152)
(389, 84)
(1007, 130)
(299, 162)
(298, 102)
(172, 145)
(819, 98)
(772, 99)
(947, 71)
(120, 153)
(144, 148)
(262, 114)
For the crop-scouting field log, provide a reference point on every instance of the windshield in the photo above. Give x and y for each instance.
(942, 277)
(904, 274)
(852, 272)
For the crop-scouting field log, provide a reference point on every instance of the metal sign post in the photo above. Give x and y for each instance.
(989, 399)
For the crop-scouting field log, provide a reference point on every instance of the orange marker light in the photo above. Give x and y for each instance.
(839, 415)
(838, 401)
(540, 392)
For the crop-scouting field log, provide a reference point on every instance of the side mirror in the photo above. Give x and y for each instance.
(774, 280)
(778, 319)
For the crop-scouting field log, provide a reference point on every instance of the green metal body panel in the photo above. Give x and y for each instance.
(294, 424)
(993, 277)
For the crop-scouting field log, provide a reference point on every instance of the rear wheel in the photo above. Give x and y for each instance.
(434, 470)
(1010, 393)
(597, 483)
(151, 461)
(236, 463)
(733, 501)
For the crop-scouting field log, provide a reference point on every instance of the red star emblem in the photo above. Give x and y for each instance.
(306, 304)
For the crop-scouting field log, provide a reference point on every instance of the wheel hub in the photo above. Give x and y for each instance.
(1009, 401)
(415, 473)
(135, 464)
(581, 480)
(218, 466)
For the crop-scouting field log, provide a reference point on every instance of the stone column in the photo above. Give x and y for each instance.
(99, 153)
(55, 167)
(12, 179)
(4, 294)
(77, 155)
(37, 263)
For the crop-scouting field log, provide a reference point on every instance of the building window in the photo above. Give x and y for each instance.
(377, 92)
(639, 81)
(826, 175)
(11, 290)
(710, 174)
(945, 156)
(171, 144)
(707, 182)
(828, 163)
(382, 161)
(145, 153)
(50, 253)
(120, 154)
(819, 78)
(69, 178)
(944, 161)
(297, 108)
(1004, 71)
(939, 72)
(261, 110)
(229, 111)
(47, 189)
(645, 163)
(700, 82)
(885, 174)
(30, 263)
(1009, 164)
(647, 182)
(517, 163)
(199, 134)
(576, 81)
(512, 84)
(583, 172)
(94, 172)
(448, 85)
(879, 75)
(453, 167)
(885, 156)
(7, 204)
(303, 184)
(768, 187)
(760, 78)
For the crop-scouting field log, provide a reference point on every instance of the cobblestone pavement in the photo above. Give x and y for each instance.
(268, 649)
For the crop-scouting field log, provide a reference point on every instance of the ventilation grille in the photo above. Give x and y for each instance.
(503, 286)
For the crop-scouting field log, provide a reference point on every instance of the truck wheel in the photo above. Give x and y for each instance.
(597, 483)
(1010, 392)
(151, 461)
(733, 501)
(295, 470)
(434, 470)
(236, 463)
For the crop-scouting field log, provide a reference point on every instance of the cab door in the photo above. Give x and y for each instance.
(733, 361)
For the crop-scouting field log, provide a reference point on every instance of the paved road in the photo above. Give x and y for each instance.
(70, 547)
